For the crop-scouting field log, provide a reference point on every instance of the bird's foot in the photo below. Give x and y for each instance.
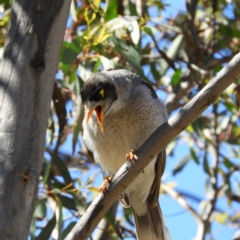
(131, 157)
(103, 187)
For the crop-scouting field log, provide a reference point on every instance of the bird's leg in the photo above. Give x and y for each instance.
(131, 157)
(103, 187)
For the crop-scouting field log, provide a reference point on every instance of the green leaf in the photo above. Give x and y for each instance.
(111, 11)
(65, 68)
(230, 106)
(115, 224)
(132, 9)
(78, 127)
(40, 210)
(68, 202)
(67, 230)
(154, 71)
(56, 185)
(176, 77)
(47, 171)
(69, 55)
(194, 155)
(128, 212)
(130, 53)
(77, 85)
(205, 164)
(72, 77)
(81, 206)
(229, 30)
(56, 191)
(181, 164)
(61, 167)
(47, 230)
(201, 123)
(60, 216)
(227, 189)
(97, 65)
(32, 229)
(150, 30)
(228, 164)
(76, 132)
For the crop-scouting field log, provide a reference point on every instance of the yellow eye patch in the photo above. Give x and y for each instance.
(101, 92)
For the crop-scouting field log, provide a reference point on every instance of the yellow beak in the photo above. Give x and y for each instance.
(99, 112)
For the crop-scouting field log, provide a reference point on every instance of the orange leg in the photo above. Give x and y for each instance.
(131, 157)
(103, 187)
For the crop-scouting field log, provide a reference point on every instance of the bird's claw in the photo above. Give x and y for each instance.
(103, 187)
(131, 157)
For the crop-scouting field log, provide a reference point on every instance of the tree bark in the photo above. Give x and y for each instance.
(27, 74)
(154, 144)
(101, 231)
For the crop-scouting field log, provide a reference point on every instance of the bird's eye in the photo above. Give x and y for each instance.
(101, 92)
(98, 95)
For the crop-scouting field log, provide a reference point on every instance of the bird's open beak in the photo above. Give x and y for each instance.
(99, 112)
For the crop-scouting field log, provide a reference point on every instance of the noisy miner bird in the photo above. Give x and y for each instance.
(121, 112)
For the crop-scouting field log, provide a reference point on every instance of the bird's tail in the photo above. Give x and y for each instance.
(151, 225)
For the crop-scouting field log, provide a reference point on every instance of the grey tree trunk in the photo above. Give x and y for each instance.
(27, 74)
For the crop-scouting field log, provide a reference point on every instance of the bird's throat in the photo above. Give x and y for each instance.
(99, 113)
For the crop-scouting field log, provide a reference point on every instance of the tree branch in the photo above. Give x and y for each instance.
(181, 200)
(156, 142)
(101, 233)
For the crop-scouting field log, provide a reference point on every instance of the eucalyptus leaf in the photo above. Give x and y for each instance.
(40, 210)
(47, 230)
(181, 164)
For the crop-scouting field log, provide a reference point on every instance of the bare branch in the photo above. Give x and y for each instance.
(181, 200)
(157, 141)
(214, 176)
(191, 7)
(101, 233)
(172, 101)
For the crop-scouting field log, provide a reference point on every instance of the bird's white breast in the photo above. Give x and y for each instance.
(125, 130)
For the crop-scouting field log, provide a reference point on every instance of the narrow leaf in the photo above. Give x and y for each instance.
(40, 210)
(61, 167)
(60, 216)
(181, 164)
(111, 11)
(194, 155)
(205, 164)
(47, 230)
(67, 230)
(68, 202)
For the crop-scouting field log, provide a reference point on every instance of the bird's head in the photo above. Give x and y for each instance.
(98, 94)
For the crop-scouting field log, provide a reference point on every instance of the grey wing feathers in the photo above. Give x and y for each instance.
(150, 226)
(153, 93)
(124, 200)
(152, 199)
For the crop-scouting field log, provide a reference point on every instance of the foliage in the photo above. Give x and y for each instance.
(178, 55)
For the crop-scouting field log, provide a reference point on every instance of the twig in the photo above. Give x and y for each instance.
(157, 141)
(163, 54)
(181, 200)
